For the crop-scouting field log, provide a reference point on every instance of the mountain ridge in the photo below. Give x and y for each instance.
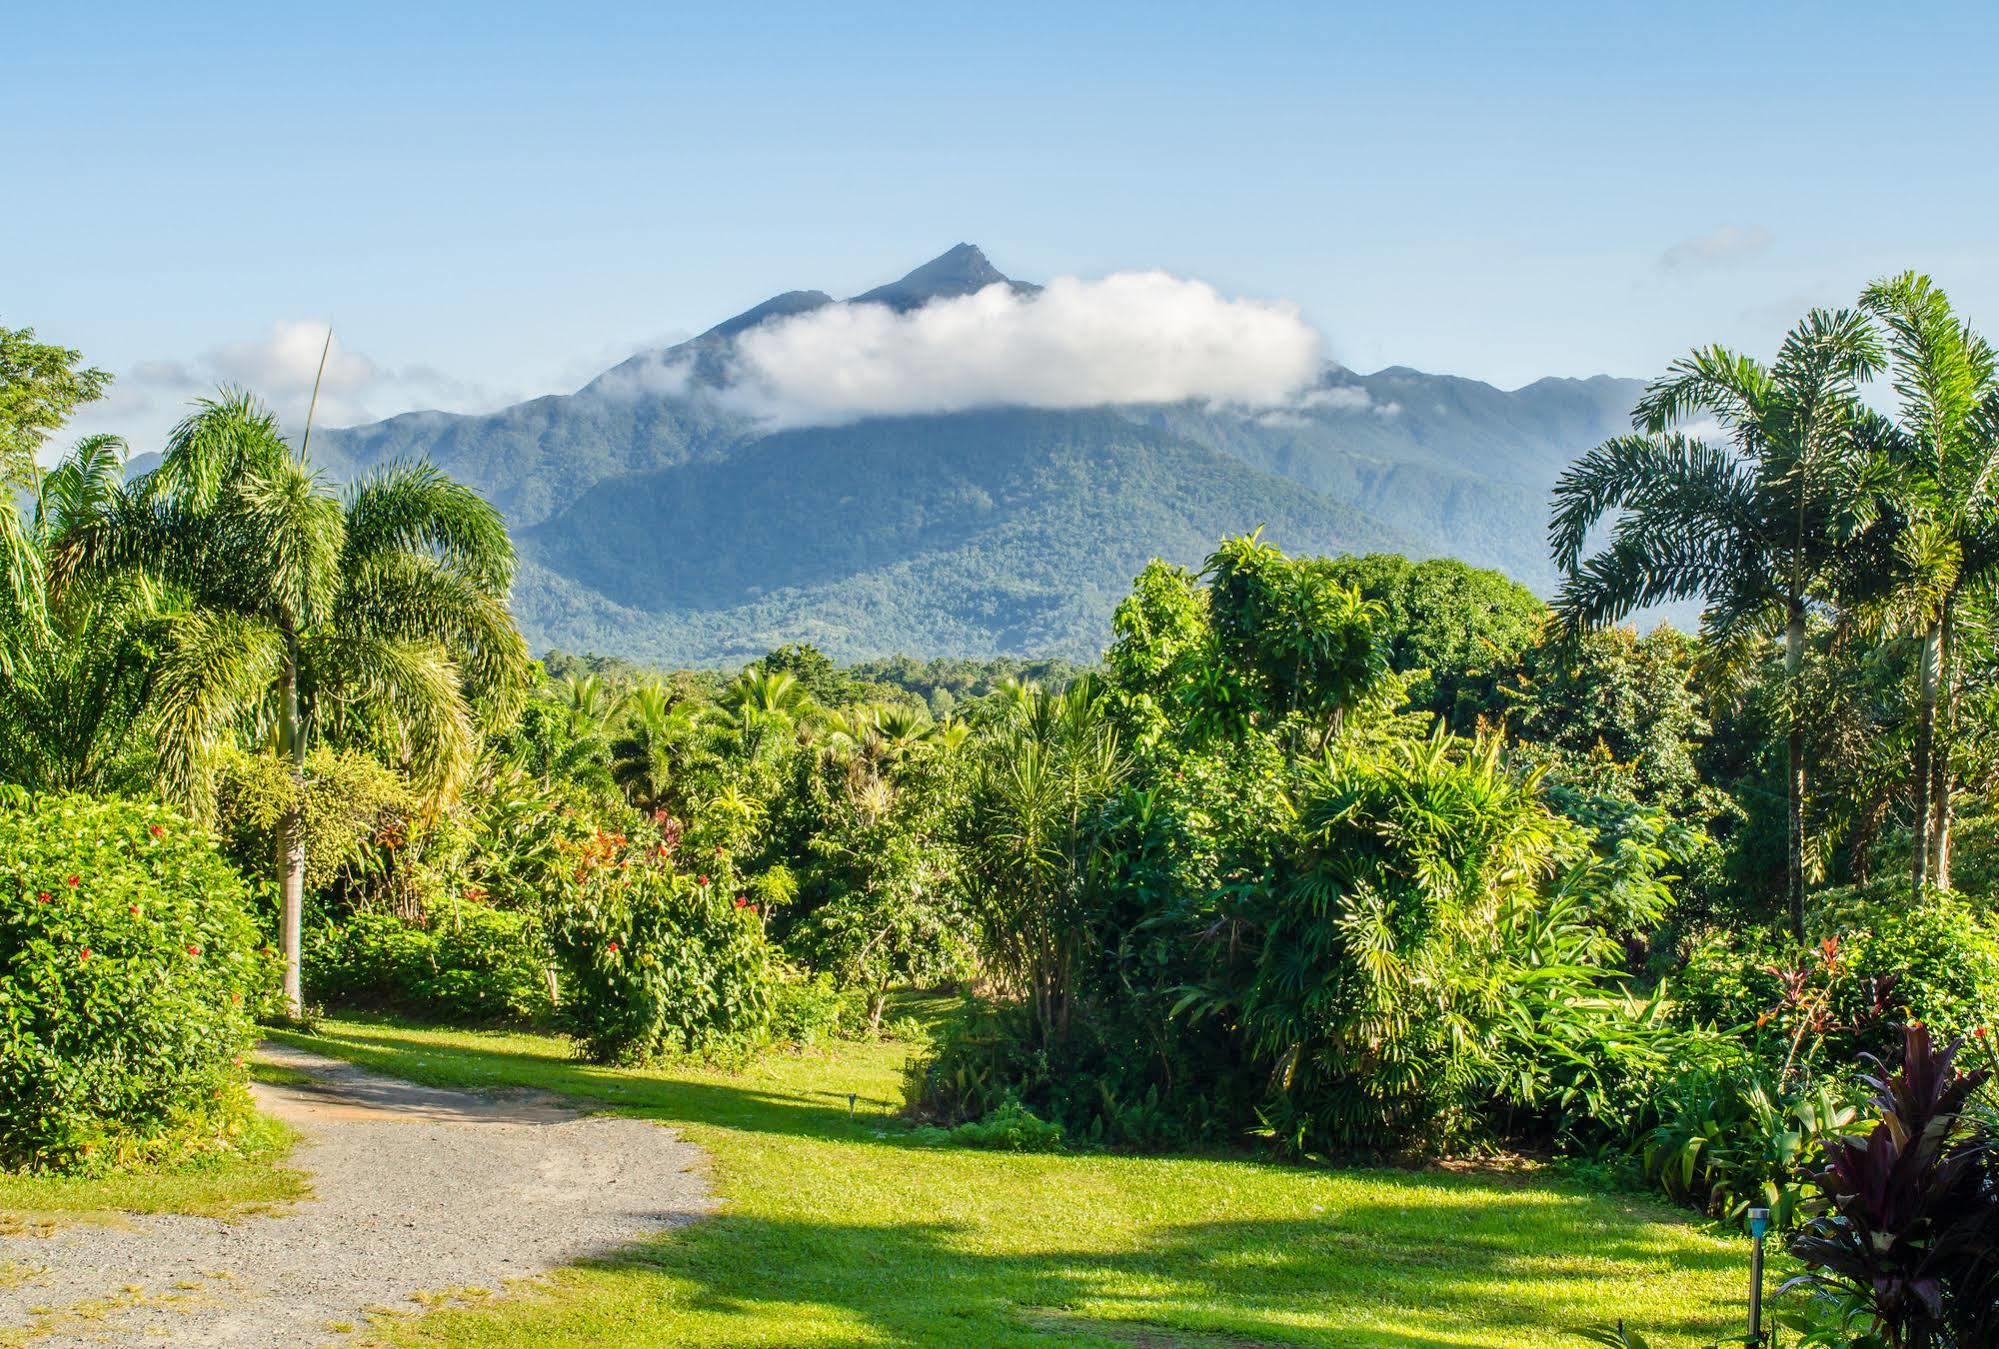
(822, 530)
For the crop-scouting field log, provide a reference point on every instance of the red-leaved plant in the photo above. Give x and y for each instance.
(1910, 1217)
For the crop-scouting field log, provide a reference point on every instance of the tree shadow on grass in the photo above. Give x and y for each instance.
(1445, 1260)
(386, 1047)
(1366, 1281)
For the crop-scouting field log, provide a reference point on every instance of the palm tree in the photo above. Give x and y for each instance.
(1753, 528)
(759, 707)
(1029, 851)
(588, 700)
(1945, 496)
(380, 619)
(662, 737)
(72, 673)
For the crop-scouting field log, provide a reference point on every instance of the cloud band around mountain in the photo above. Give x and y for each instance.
(1132, 337)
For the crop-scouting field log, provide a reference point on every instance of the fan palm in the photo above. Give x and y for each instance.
(379, 620)
(1753, 528)
(1945, 460)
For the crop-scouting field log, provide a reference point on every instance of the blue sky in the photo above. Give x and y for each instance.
(494, 200)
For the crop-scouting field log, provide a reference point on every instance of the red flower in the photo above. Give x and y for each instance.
(665, 851)
(134, 910)
(701, 880)
(157, 831)
(741, 903)
(1978, 1032)
(43, 898)
(86, 953)
(193, 950)
(612, 948)
(753, 909)
(72, 880)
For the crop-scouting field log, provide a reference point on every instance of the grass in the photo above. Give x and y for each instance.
(841, 1231)
(249, 1181)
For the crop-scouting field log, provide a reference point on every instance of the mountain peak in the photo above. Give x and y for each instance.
(777, 306)
(960, 270)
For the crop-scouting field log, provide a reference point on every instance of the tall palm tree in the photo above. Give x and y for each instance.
(1754, 528)
(380, 619)
(1944, 453)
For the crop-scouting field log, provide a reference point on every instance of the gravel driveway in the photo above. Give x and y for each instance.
(416, 1192)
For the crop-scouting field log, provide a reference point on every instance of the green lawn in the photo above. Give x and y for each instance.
(844, 1232)
(250, 1181)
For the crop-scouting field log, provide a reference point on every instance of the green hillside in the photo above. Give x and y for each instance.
(660, 521)
(978, 534)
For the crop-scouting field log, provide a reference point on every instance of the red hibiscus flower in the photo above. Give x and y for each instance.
(612, 948)
(84, 954)
(72, 880)
(157, 831)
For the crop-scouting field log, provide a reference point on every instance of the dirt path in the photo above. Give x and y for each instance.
(416, 1192)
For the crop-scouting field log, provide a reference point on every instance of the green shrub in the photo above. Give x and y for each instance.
(1732, 1139)
(347, 800)
(807, 1009)
(470, 965)
(657, 962)
(129, 970)
(1871, 968)
(1008, 1127)
(1935, 962)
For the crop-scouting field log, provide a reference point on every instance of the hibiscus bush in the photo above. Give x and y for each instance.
(130, 967)
(658, 958)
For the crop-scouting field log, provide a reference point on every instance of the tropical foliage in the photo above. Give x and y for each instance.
(1332, 857)
(132, 969)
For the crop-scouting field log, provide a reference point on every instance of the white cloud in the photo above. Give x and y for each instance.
(1341, 397)
(149, 397)
(1133, 337)
(1334, 398)
(1723, 247)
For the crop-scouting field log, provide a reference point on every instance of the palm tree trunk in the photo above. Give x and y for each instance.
(1940, 753)
(1794, 658)
(1926, 731)
(291, 846)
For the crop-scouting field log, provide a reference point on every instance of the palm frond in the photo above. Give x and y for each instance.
(404, 697)
(215, 671)
(414, 507)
